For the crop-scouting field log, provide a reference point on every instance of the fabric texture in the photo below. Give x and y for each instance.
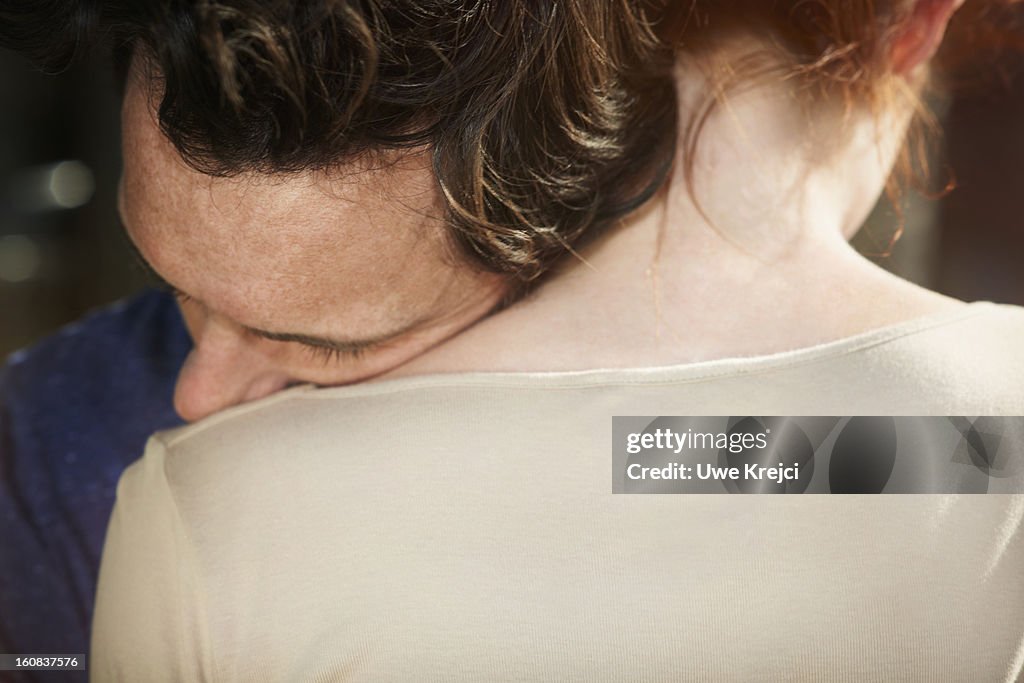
(75, 410)
(462, 527)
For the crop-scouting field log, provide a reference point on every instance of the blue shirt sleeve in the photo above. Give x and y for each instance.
(75, 410)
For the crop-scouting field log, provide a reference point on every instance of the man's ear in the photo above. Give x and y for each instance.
(919, 35)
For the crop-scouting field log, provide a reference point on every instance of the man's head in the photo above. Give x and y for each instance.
(314, 276)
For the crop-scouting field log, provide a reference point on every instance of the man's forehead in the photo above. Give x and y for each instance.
(360, 199)
(281, 244)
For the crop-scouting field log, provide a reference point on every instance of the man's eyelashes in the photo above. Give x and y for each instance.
(330, 354)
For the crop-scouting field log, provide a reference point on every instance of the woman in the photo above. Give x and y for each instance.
(450, 517)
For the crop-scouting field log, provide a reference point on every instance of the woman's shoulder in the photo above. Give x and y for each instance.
(963, 361)
(981, 334)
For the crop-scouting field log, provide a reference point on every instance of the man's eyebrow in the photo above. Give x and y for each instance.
(342, 345)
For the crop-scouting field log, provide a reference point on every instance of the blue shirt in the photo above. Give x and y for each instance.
(75, 410)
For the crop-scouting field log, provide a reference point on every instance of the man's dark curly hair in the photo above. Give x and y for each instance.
(546, 119)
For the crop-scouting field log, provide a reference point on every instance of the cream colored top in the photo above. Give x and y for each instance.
(462, 528)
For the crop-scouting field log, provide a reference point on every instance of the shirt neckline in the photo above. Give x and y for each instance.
(576, 379)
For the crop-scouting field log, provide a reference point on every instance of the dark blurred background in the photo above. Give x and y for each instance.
(62, 251)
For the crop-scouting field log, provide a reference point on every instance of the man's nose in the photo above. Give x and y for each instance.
(221, 371)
